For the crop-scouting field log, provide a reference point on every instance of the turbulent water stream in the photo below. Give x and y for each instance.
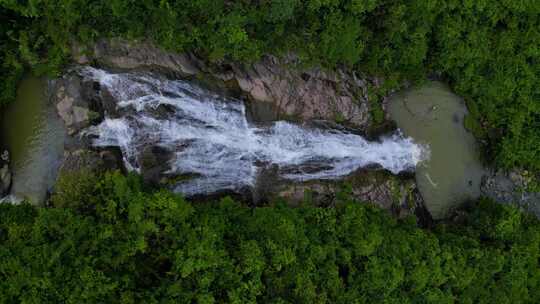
(212, 141)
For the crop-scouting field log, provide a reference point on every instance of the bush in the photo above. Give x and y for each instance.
(75, 190)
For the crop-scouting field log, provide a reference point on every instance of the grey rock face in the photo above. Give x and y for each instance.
(295, 92)
(81, 103)
(121, 54)
(306, 94)
(154, 163)
(512, 187)
(75, 160)
(71, 104)
(397, 194)
(84, 158)
(5, 173)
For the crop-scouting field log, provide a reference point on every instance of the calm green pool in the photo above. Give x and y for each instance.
(34, 134)
(433, 115)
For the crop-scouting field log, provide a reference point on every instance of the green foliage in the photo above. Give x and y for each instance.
(75, 190)
(132, 246)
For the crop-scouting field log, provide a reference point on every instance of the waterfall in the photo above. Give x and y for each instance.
(211, 139)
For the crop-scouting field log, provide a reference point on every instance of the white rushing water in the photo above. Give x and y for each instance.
(212, 140)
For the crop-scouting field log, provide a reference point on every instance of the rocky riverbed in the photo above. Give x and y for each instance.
(273, 89)
(108, 96)
(288, 89)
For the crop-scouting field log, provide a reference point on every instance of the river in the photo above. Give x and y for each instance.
(211, 140)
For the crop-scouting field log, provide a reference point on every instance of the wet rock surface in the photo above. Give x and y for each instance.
(292, 92)
(81, 103)
(155, 162)
(280, 85)
(512, 187)
(75, 102)
(305, 94)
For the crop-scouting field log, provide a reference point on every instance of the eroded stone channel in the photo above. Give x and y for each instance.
(208, 138)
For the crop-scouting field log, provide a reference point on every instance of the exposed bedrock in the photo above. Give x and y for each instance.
(515, 186)
(292, 93)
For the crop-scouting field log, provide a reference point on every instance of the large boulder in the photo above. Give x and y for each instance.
(81, 101)
(123, 54)
(305, 94)
(5, 173)
(155, 162)
(75, 102)
(104, 159)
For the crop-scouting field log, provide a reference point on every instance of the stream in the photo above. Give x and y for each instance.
(211, 140)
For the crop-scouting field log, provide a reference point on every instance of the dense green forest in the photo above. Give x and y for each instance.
(108, 240)
(489, 51)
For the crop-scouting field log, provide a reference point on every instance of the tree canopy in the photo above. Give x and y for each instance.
(109, 240)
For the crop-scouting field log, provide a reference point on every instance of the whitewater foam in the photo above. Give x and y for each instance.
(212, 140)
